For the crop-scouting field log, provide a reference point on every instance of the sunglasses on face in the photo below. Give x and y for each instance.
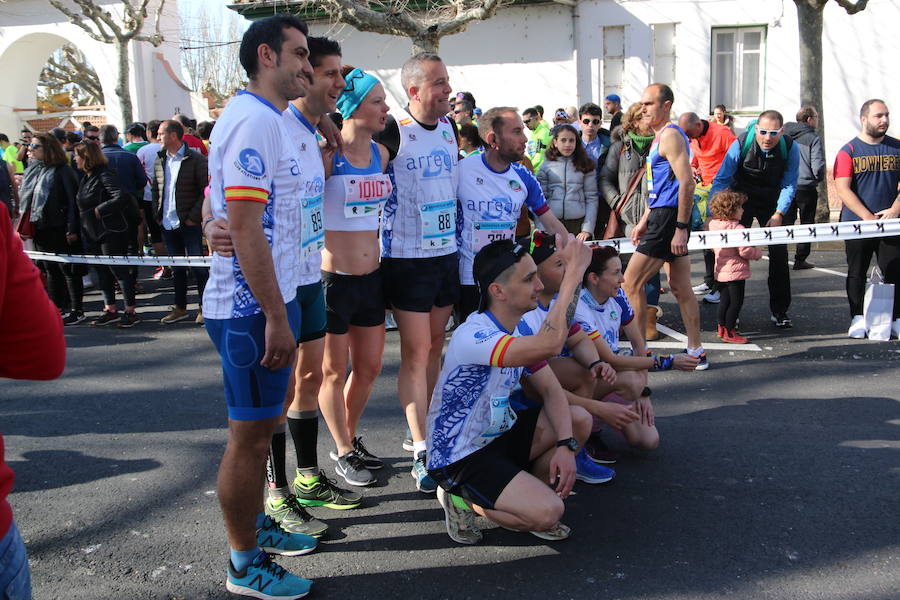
(528, 120)
(591, 121)
(770, 132)
(92, 137)
(34, 146)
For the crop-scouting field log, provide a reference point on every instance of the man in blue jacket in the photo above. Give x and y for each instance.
(126, 166)
(812, 172)
(765, 168)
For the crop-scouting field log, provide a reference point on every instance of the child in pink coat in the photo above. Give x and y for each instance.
(732, 264)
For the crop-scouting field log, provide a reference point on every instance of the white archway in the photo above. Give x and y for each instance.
(32, 30)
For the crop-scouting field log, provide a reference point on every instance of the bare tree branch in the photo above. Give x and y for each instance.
(852, 7)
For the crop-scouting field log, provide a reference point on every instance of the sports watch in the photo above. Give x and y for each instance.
(570, 443)
(681, 225)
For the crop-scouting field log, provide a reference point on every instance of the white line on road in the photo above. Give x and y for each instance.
(829, 271)
(713, 346)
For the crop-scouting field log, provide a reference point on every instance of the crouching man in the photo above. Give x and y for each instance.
(485, 457)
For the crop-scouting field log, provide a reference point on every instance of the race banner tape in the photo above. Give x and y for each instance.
(699, 240)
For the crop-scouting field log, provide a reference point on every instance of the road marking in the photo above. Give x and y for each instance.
(829, 271)
(671, 333)
(713, 346)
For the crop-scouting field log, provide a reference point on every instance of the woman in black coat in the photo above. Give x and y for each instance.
(108, 219)
(47, 202)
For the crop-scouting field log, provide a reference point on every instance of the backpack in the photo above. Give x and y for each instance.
(750, 136)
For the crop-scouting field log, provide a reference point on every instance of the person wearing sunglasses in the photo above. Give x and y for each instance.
(764, 164)
(594, 136)
(493, 187)
(488, 459)
(538, 136)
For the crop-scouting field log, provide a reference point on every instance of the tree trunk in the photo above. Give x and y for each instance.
(425, 43)
(810, 26)
(123, 90)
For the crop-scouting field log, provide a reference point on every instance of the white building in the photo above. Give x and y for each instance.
(740, 53)
(31, 30)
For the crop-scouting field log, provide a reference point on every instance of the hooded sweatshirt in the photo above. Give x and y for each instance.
(812, 159)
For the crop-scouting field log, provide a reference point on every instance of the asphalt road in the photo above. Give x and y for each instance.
(778, 476)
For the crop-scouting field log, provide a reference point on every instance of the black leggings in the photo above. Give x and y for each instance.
(64, 284)
(731, 302)
(115, 244)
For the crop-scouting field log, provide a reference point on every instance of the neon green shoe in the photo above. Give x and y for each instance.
(292, 517)
(318, 490)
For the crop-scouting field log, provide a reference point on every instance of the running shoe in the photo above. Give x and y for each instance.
(266, 579)
(712, 298)
(128, 320)
(163, 273)
(857, 327)
(599, 452)
(802, 265)
(408, 441)
(460, 523)
(590, 472)
(106, 318)
(554, 534)
(318, 490)
(372, 462)
(74, 317)
(703, 288)
(272, 538)
(424, 482)
(293, 518)
(351, 468)
(782, 321)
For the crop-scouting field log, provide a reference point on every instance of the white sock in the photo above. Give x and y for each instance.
(695, 352)
(419, 447)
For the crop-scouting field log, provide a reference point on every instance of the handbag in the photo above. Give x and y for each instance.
(878, 306)
(614, 227)
(25, 228)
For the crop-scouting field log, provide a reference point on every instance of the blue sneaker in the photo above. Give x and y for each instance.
(424, 482)
(265, 579)
(275, 540)
(590, 472)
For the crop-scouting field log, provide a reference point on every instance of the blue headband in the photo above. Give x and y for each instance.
(359, 84)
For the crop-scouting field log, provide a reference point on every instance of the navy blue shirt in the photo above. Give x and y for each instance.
(874, 171)
(127, 168)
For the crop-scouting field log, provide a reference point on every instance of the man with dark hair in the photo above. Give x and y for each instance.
(486, 457)
(594, 136)
(493, 187)
(867, 176)
(152, 232)
(136, 137)
(189, 138)
(124, 165)
(538, 136)
(179, 178)
(764, 164)
(91, 134)
(662, 234)
(812, 173)
(204, 130)
(250, 304)
(21, 153)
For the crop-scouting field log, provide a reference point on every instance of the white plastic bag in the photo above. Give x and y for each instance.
(878, 307)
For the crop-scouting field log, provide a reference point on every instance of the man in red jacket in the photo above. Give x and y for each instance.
(32, 346)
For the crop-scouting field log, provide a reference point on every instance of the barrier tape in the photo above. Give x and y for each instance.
(699, 240)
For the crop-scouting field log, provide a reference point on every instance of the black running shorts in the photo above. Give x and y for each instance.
(657, 242)
(418, 284)
(356, 300)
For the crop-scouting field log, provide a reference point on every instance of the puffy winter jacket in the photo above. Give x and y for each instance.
(733, 264)
(570, 193)
(812, 159)
(622, 161)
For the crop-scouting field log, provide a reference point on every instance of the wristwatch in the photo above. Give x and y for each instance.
(570, 443)
(681, 225)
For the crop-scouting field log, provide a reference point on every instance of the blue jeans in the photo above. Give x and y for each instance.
(15, 578)
(186, 240)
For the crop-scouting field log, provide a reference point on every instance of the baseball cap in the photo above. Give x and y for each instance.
(614, 98)
(492, 260)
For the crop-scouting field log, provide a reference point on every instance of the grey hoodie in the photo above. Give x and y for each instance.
(812, 158)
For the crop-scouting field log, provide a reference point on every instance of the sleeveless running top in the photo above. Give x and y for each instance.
(662, 184)
(354, 196)
(419, 219)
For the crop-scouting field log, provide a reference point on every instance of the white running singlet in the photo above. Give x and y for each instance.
(302, 135)
(604, 319)
(419, 219)
(251, 159)
(490, 204)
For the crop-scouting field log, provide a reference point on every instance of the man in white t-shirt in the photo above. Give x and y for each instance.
(250, 299)
(493, 186)
(486, 457)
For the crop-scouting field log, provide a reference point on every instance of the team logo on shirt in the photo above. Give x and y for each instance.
(514, 185)
(412, 137)
(251, 162)
(447, 137)
(479, 181)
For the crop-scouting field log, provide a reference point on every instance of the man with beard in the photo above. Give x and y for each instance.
(493, 186)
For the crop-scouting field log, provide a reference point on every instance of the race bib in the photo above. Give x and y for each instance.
(502, 419)
(485, 232)
(363, 194)
(438, 224)
(312, 236)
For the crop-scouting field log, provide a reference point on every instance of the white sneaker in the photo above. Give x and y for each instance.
(713, 298)
(858, 327)
(701, 289)
(895, 328)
